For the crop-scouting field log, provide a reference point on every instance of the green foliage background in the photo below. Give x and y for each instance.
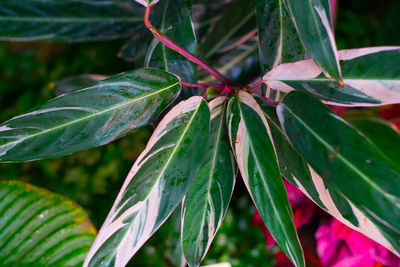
(93, 178)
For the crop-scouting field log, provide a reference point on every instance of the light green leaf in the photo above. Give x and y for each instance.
(68, 20)
(39, 228)
(312, 19)
(89, 117)
(156, 184)
(208, 198)
(367, 82)
(347, 161)
(255, 155)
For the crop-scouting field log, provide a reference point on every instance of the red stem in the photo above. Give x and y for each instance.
(257, 83)
(171, 44)
(204, 85)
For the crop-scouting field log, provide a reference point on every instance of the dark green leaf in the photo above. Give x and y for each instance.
(207, 201)
(312, 19)
(68, 20)
(156, 184)
(39, 228)
(255, 155)
(90, 117)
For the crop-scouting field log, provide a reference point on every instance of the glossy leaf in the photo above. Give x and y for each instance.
(278, 39)
(75, 82)
(347, 161)
(207, 200)
(39, 228)
(176, 22)
(312, 19)
(156, 184)
(255, 155)
(67, 20)
(237, 14)
(367, 82)
(89, 117)
(383, 134)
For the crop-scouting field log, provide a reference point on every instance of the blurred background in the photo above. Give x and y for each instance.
(93, 178)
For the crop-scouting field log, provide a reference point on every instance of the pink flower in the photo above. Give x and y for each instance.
(340, 246)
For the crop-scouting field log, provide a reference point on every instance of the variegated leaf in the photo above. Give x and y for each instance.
(250, 139)
(367, 82)
(207, 200)
(147, 3)
(156, 184)
(278, 39)
(39, 228)
(68, 20)
(347, 162)
(312, 19)
(89, 117)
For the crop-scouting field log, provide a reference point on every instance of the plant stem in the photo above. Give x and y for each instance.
(174, 46)
(256, 84)
(204, 85)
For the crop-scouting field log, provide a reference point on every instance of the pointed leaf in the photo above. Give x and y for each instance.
(75, 82)
(313, 23)
(177, 23)
(207, 201)
(278, 39)
(367, 82)
(156, 184)
(39, 228)
(89, 117)
(346, 160)
(67, 20)
(255, 155)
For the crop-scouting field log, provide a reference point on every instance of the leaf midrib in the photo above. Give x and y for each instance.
(91, 115)
(265, 184)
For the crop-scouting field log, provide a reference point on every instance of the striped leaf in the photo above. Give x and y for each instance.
(348, 162)
(250, 139)
(89, 117)
(157, 182)
(278, 39)
(147, 3)
(208, 198)
(176, 22)
(312, 19)
(39, 228)
(67, 20)
(367, 80)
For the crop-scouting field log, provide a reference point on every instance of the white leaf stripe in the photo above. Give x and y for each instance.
(370, 91)
(147, 208)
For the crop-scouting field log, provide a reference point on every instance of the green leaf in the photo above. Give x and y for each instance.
(236, 15)
(208, 198)
(367, 82)
(90, 117)
(76, 82)
(347, 161)
(312, 19)
(292, 165)
(156, 184)
(67, 20)
(278, 39)
(174, 251)
(255, 155)
(381, 133)
(176, 22)
(39, 228)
